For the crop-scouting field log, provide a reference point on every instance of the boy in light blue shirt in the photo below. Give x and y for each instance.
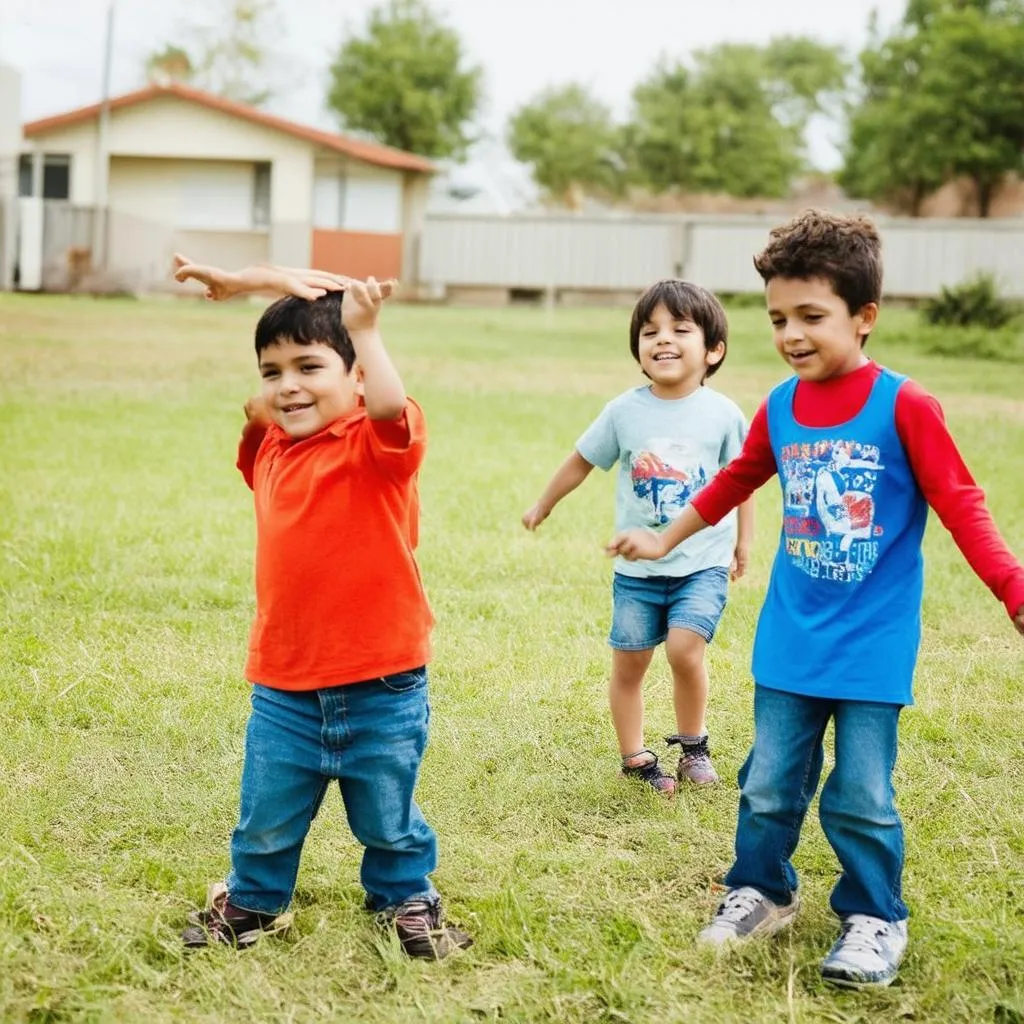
(668, 438)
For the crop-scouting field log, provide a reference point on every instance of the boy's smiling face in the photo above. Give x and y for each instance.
(673, 354)
(307, 387)
(814, 331)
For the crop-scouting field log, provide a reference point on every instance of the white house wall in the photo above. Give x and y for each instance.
(171, 128)
(351, 196)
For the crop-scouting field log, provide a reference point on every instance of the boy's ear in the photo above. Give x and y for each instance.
(713, 356)
(358, 370)
(868, 314)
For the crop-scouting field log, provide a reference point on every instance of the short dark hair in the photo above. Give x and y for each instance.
(685, 301)
(844, 250)
(306, 323)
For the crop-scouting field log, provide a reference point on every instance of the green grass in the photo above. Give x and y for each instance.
(125, 573)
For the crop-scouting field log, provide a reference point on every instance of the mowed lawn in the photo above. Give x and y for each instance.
(126, 541)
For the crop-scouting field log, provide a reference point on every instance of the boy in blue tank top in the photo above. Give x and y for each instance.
(861, 453)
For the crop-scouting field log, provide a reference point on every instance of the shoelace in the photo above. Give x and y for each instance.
(863, 937)
(738, 904)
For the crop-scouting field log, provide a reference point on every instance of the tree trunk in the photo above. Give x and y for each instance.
(986, 188)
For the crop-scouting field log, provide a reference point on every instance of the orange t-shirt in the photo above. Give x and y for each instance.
(338, 592)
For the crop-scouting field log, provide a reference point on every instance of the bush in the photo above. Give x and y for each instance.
(1004, 345)
(975, 302)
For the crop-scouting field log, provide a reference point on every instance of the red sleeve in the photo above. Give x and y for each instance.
(754, 466)
(252, 437)
(400, 444)
(950, 490)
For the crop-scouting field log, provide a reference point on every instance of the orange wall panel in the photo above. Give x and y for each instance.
(357, 253)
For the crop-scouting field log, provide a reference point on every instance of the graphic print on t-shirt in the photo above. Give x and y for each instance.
(666, 474)
(829, 515)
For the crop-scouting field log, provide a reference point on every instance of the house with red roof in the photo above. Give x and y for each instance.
(180, 169)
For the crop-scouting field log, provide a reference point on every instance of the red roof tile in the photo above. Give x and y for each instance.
(368, 152)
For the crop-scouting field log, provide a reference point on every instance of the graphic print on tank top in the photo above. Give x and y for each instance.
(829, 516)
(666, 474)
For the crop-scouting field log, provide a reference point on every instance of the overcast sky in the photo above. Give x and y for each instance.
(523, 45)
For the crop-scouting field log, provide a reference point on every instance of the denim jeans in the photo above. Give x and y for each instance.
(645, 608)
(779, 778)
(370, 736)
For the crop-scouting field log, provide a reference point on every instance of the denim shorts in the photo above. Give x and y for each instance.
(645, 608)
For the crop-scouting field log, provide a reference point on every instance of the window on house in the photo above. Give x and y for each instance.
(261, 196)
(25, 174)
(56, 176)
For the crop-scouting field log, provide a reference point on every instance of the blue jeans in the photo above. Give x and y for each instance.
(370, 736)
(779, 778)
(645, 608)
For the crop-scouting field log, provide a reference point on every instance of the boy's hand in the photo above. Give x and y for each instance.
(257, 412)
(1018, 620)
(533, 517)
(740, 561)
(636, 544)
(223, 284)
(220, 284)
(362, 304)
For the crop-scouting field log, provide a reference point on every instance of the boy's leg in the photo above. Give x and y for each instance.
(777, 782)
(861, 822)
(381, 734)
(626, 700)
(638, 626)
(384, 725)
(696, 603)
(282, 787)
(858, 813)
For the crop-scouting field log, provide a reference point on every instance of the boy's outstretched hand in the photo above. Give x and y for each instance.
(362, 304)
(533, 517)
(224, 284)
(635, 544)
(1018, 620)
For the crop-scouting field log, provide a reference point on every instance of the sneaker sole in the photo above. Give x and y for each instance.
(667, 793)
(841, 982)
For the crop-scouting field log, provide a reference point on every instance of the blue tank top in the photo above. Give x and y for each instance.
(842, 616)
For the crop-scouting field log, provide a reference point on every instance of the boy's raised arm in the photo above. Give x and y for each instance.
(270, 280)
(383, 391)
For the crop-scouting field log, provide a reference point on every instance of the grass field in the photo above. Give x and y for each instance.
(125, 573)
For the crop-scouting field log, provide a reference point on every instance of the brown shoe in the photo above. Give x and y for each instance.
(224, 924)
(423, 931)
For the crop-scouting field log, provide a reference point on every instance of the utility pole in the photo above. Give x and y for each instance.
(102, 169)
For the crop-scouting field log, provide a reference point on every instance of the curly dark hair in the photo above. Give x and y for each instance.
(844, 250)
(685, 301)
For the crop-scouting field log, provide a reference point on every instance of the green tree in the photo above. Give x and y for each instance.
(942, 98)
(170, 63)
(405, 81)
(570, 141)
(734, 120)
(229, 60)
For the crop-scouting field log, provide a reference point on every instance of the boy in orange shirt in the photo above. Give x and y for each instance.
(341, 638)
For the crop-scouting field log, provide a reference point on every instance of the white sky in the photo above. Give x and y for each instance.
(523, 45)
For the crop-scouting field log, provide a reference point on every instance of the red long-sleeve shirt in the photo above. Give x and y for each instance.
(941, 473)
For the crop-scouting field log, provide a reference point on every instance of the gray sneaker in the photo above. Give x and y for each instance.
(694, 762)
(746, 913)
(867, 953)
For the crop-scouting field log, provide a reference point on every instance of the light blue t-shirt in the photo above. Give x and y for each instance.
(667, 450)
